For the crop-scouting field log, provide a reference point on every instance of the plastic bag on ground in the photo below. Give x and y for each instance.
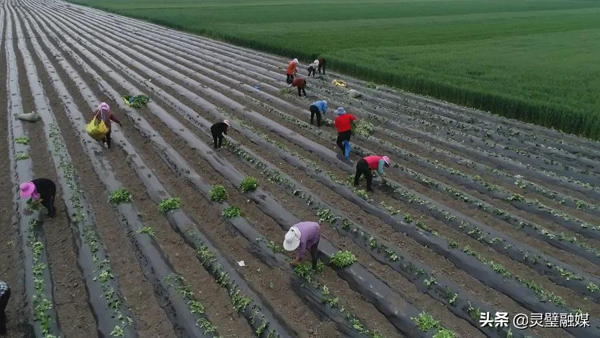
(31, 117)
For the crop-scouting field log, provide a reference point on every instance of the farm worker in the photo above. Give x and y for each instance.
(217, 130)
(312, 69)
(366, 164)
(106, 115)
(317, 108)
(343, 124)
(321, 65)
(303, 236)
(4, 297)
(301, 84)
(291, 71)
(40, 190)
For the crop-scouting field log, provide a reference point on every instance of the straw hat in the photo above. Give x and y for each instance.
(386, 160)
(292, 239)
(27, 189)
(295, 61)
(226, 122)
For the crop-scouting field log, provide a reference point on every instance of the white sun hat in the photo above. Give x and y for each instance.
(292, 239)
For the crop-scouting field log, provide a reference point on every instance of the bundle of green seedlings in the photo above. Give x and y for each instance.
(138, 101)
(169, 204)
(119, 196)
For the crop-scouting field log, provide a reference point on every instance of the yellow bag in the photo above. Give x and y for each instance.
(339, 83)
(97, 129)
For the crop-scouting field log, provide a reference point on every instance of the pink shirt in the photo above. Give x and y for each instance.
(310, 232)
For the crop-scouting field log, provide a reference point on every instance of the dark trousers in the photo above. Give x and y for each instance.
(301, 90)
(362, 168)
(47, 190)
(3, 303)
(315, 111)
(289, 79)
(322, 66)
(343, 136)
(311, 70)
(314, 254)
(107, 139)
(217, 139)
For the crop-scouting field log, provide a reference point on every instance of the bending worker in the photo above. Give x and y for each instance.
(303, 236)
(366, 164)
(40, 190)
(291, 71)
(343, 124)
(217, 130)
(317, 108)
(301, 84)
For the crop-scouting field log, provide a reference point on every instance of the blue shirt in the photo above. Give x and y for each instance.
(321, 105)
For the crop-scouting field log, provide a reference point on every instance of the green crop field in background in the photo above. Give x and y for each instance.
(535, 60)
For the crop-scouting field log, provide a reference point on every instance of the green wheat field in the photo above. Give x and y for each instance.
(535, 60)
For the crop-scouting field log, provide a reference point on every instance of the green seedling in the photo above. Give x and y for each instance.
(425, 321)
(22, 156)
(371, 85)
(343, 259)
(169, 204)
(274, 247)
(146, 230)
(363, 128)
(119, 196)
(306, 272)
(22, 140)
(444, 333)
(117, 332)
(33, 205)
(231, 212)
(218, 194)
(249, 184)
(593, 287)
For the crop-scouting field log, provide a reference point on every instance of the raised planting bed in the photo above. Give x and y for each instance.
(113, 318)
(42, 320)
(155, 266)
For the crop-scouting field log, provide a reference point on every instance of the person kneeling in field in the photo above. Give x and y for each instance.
(291, 71)
(366, 164)
(317, 108)
(40, 190)
(217, 130)
(301, 84)
(303, 236)
(343, 124)
(106, 115)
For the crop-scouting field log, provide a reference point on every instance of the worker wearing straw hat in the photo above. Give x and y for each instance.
(366, 164)
(40, 190)
(217, 130)
(303, 236)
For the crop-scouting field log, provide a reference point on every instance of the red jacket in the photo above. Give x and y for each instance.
(299, 82)
(108, 116)
(373, 161)
(342, 122)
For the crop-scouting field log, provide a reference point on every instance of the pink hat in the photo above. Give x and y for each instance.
(386, 160)
(226, 122)
(27, 189)
(103, 106)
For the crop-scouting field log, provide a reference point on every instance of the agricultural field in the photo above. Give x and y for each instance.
(163, 236)
(533, 60)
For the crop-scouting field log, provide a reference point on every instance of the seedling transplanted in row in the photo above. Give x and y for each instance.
(363, 128)
(343, 259)
(249, 184)
(119, 196)
(425, 321)
(169, 204)
(22, 140)
(22, 156)
(305, 270)
(146, 230)
(218, 194)
(231, 212)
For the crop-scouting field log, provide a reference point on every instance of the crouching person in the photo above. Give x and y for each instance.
(304, 236)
